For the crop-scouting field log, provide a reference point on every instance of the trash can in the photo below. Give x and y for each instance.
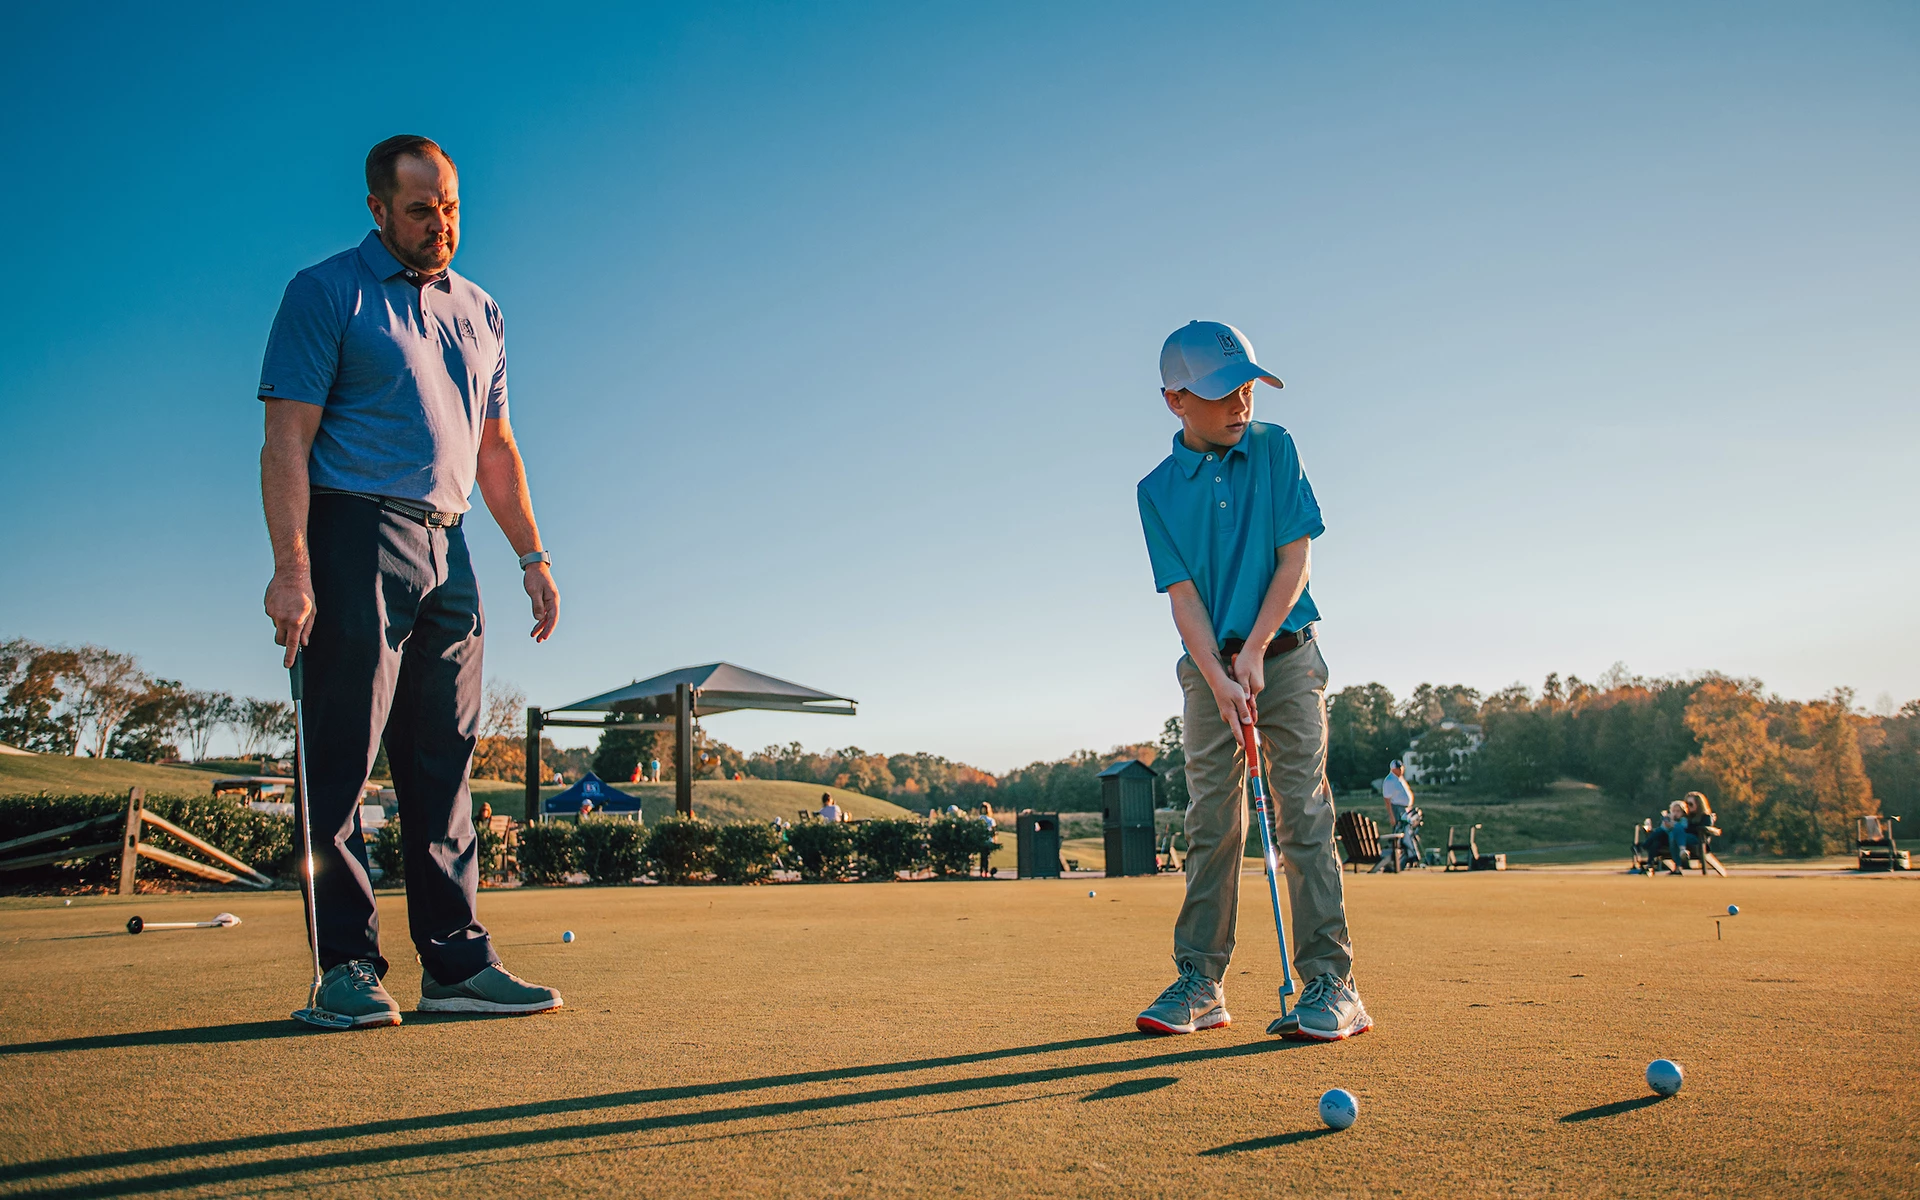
(1126, 803)
(1038, 851)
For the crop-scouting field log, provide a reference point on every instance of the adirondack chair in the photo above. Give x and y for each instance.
(1460, 855)
(1359, 839)
(1873, 843)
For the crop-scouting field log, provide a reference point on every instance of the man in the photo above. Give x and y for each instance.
(829, 811)
(386, 399)
(1399, 795)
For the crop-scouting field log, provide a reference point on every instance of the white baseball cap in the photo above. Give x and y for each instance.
(1210, 360)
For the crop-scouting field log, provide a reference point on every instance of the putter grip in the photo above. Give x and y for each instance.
(297, 675)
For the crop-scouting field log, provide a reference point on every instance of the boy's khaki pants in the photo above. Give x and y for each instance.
(1293, 734)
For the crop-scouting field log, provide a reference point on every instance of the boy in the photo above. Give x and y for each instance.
(1228, 518)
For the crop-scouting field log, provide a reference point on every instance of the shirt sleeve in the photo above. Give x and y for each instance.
(1168, 567)
(497, 389)
(1296, 513)
(303, 351)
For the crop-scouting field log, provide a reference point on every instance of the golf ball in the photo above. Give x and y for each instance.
(1733, 910)
(1338, 1108)
(1664, 1076)
(567, 936)
(1090, 895)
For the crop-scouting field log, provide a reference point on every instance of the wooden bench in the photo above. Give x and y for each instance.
(1359, 839)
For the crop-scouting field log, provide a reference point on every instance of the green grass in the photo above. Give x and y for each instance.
(713, 799)
(1571, 822)
(62, 776)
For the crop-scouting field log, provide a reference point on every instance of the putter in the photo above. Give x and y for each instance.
(136, 925)
(312, 1014)
(1257, 785)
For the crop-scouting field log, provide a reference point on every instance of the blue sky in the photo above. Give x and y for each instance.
(833, 332)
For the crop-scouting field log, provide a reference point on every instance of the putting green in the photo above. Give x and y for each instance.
(974, 1038)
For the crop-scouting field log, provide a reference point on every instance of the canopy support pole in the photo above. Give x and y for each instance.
(683, 748)
(534, 722)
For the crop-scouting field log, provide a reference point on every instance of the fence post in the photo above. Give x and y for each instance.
(130, 845)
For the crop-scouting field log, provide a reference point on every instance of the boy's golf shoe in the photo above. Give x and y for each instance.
(494, 990)
(1192, 1002)
(352, 990)
(1329, 1010)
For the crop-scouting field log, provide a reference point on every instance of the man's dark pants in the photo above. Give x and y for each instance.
(395, 649)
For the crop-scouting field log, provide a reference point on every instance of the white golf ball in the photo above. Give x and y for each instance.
(1733, 910)
(1338, 1108)
(1665, 1076)
(567, 936)
(1090, 895)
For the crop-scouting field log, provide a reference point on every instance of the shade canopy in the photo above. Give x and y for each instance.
(718, 687)
(591, 787)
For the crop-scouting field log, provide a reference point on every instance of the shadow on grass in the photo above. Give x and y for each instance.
(1267, 1143)
(437, 1126)
(207, 1035)
(1131, 1087)
(1612, 1110)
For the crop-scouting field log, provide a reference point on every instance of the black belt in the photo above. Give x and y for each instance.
(1275, 648)
(419, 514)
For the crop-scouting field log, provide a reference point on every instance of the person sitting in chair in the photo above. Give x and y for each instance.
(1695, 825)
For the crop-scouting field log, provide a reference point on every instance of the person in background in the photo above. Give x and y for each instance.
(1399, 795)
(1673, 823)
(829, 811)
(1695, 827)
(586, 807)
(653, 770)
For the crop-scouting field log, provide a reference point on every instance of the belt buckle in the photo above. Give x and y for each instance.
(435, 520)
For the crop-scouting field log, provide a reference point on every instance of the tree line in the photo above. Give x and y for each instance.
(100, 703)
(1784, 776)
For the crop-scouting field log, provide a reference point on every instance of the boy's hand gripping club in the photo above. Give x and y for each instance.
(1257, 787)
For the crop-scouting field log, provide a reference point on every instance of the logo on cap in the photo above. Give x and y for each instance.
(1227, 345)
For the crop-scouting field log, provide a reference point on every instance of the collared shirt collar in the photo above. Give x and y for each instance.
(1191, 460)
(385, 266)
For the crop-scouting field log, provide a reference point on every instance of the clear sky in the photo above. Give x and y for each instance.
(833, 332)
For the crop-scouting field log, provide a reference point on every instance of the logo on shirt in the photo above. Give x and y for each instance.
(266, 387)
(1228, 346)
(466, 330)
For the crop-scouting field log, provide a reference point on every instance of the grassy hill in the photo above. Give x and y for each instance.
(59, 775)
(713, 799)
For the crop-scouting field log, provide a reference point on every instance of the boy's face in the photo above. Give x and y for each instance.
(1213, 424)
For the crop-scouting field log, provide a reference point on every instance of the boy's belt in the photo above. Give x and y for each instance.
(419, 514)
(1275, 648)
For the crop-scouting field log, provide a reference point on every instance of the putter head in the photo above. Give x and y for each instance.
(1285, 1024)
(320, 1018)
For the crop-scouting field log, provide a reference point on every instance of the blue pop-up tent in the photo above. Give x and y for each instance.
(591, 787)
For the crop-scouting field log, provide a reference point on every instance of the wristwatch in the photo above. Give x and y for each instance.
(534, 556)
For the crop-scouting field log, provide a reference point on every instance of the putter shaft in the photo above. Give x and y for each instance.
(1257, 786)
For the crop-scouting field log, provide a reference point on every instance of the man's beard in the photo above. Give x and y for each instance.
(429, 259)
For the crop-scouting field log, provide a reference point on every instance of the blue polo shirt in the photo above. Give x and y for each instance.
(408, 369)
(1218, 518)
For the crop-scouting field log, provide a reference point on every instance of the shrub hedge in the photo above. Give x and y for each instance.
(681, 849)
(261, 840)
(388, 853)
(612, 850)
(887, 848)
(821, 850)
(549, 852)
(746, 852)
(953, 843)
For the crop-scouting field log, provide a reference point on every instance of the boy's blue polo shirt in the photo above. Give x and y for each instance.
(408, 371)
(1218, 518)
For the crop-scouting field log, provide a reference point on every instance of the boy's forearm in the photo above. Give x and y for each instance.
(1283, 592)
(1190, 617)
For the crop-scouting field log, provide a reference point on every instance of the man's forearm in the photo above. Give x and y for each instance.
(1283, 592)
(284, 496)
(503, 485)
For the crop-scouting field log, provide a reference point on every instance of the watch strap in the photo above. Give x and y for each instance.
(534, 556)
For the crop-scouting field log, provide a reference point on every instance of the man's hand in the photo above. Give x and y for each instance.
(290, 603)
(545, 595)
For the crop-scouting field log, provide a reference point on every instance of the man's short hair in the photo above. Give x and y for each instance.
(383, 170)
